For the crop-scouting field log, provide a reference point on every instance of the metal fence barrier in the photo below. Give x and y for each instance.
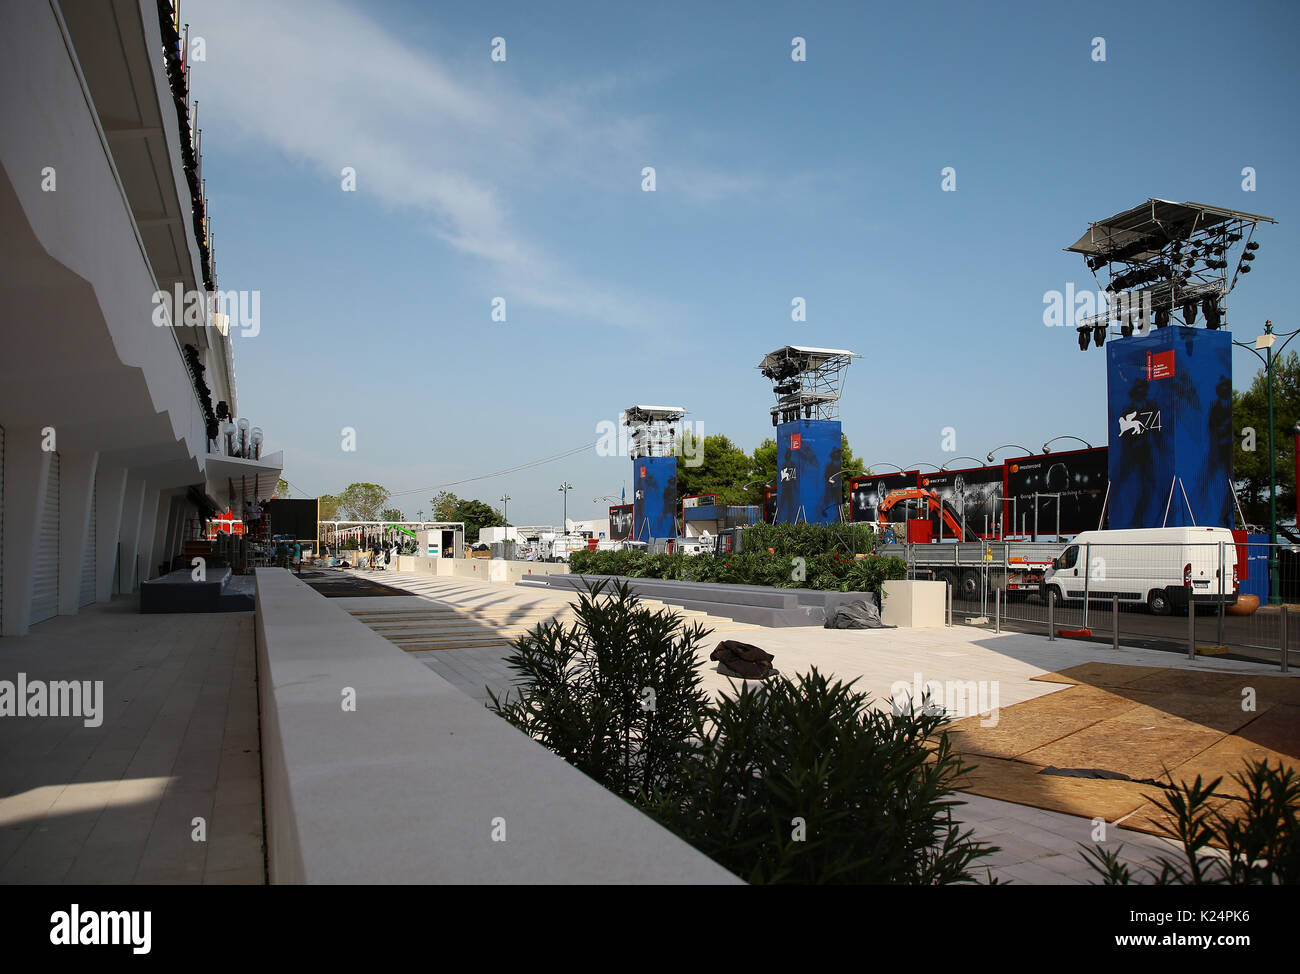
(1188, 598)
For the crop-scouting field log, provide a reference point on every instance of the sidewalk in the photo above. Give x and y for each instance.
(179, 741)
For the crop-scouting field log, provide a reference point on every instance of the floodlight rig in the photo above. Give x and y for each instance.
(1166, 260)
(652, 430)
(806, 381)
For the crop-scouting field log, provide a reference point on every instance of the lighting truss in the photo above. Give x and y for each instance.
(1162, 256)
(652, 430)
(806, 381)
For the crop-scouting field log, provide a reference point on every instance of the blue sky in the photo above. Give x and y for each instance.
(775, 179)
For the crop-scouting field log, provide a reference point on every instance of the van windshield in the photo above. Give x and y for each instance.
(1069, 556)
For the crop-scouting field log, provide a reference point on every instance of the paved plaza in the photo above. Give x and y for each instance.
(1037, 846)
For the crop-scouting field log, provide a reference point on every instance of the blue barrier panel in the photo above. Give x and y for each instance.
(808, 456)
(654, 502)
(1170, 404)
(1257, 560)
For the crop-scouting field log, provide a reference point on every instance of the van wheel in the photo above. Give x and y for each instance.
(1158, 602)
(970, 586)
(1053, 594)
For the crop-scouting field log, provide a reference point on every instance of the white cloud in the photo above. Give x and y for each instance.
(328, 87)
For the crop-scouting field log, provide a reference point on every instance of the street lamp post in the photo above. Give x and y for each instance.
(505, 513)
(1266, 341)
(564, 489)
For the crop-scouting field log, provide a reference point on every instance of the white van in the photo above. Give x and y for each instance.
(1161, 567)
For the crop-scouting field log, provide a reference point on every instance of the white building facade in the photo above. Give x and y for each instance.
(108, 462)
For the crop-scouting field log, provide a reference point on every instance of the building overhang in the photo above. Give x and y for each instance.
(233, 482)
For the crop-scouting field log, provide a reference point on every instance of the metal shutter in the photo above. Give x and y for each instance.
(87, 595)
(45, 591)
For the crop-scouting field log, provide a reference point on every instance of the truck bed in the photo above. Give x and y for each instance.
(972, 554)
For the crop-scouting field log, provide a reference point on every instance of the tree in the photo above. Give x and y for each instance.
(476, 516)
(851, 465)
(723, 471)
(1250, 452)
(762, 467)
(391, 514)
(444, 506)
(281, 488)
(362, 502)
(328, 505)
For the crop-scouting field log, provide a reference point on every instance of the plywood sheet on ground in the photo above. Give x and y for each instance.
(1015, 781)
(1144, 722)
(1273, 736)
(1035, 723)
(1269, 690)
(1098, 674)
(1141, 742)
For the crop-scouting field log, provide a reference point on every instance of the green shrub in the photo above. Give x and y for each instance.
(790, 782)
(616, 693)
(1259, 836)
(834, 571)
(802, 781)
(807, 540)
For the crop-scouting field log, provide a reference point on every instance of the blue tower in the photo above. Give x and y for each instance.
(653, 446)
(1169, 387)
(1170, 410)
(807, 383)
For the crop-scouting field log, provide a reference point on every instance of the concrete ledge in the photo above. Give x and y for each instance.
(410, 786)
(759, 604)
(484, 569)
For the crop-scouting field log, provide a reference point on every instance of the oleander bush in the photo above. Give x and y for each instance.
(792, 781)
(585, 689)
(807, 540)
(834, 571)
(1257, 836)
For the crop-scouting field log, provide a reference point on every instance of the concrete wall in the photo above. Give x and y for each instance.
(483, 569)
(82, 246)
(410, 786)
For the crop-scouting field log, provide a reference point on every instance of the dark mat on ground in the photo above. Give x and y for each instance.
(340, 586)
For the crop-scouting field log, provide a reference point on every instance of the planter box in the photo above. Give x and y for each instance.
(913, 605)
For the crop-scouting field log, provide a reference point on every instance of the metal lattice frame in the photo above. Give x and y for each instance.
(653, 430)
(806, 382)
(1166, 258)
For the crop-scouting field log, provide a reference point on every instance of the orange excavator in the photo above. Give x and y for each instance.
(934, 505)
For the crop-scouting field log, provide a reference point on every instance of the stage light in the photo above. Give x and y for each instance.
(774, 422)
(807, 411)
(1253, 245)
(1098, 335)
(1248, 256)
(1210, 306)
(1083, 339)
(1189, 311)
(1126, 330)
(1244, 268)
(1162, 317)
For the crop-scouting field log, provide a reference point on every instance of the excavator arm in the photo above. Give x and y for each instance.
(933, 504)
